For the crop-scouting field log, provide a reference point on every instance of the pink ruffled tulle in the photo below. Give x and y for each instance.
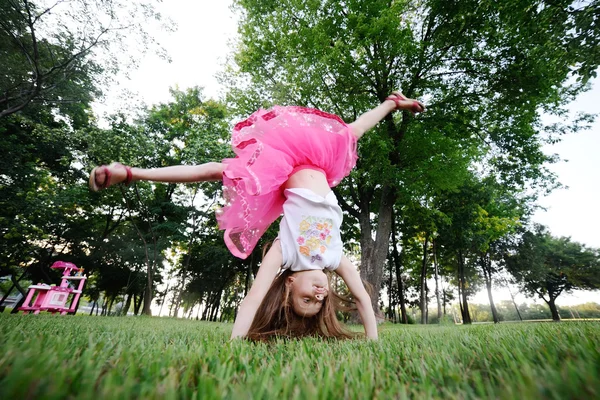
(268, 146)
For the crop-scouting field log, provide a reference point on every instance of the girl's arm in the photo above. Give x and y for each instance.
(264, 278)
(350, 275)
(396, 101)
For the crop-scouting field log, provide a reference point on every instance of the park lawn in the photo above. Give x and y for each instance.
(83, 357)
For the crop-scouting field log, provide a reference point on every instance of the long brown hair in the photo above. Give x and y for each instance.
(275, 316)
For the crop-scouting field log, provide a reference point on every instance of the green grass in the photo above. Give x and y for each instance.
(81, 357)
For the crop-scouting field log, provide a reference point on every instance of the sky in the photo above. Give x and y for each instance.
(199, 48)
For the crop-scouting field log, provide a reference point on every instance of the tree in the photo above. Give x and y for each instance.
(50, 61)
(457, 233)
(54, 53)
(418, 233)
(44, 210)
(186, 130)
(485, 68)
(194, 131)
(499, 214)
(213, 271)
(547, 266)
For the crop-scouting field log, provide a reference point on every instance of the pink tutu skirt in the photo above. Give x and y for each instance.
(269, 146)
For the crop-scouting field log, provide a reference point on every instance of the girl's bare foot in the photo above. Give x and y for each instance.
(107, 175)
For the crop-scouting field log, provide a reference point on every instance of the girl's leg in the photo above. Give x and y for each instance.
(117, 173)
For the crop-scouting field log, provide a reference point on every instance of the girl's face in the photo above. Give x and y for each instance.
(308, 290)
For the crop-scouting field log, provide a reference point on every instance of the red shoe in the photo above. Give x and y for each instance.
(397, 97)
(95, 186)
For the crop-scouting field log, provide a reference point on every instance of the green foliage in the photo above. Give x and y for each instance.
(487, 70)
(48, 213)
(51, 51)
(40, 203)
(86, 357)
(50, 54)
(186, 130)
(546, 266)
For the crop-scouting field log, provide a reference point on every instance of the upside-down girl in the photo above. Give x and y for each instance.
(287, 160)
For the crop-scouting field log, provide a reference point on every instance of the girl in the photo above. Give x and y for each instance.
(287, 160)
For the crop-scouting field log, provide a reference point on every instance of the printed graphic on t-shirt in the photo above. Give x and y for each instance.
(315, 236)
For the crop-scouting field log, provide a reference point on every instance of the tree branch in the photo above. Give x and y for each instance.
(345, 206)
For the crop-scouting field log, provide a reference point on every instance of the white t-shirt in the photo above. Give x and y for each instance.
(310, 231)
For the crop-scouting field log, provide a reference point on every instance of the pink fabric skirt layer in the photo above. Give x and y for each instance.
(269, 145)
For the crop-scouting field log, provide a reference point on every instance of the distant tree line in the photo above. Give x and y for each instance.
(509, 311)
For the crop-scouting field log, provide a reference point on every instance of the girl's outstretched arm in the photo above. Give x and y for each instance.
(372, 117)
(350, 275)
(264, 278)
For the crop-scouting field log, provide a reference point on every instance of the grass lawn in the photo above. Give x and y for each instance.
(82, 357)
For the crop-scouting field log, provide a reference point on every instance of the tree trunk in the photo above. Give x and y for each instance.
(93, 306)
(426, 303)
(488, 285)
(137, 302)
(398, 263)
(217, 305)
(374, 251)
(390, 313)
(98, 306)
(207, 307)
(466, 316)
(487, 275)
(423, 282)
(142, 303)
(180, 294)
(148, 292)
(514, 303)
(444, 300)
(127, 305)
(110, 305)
(400, 283)
(173, 303)
(551, 303)
(460, 305)
(162, 303)
(437, 290)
